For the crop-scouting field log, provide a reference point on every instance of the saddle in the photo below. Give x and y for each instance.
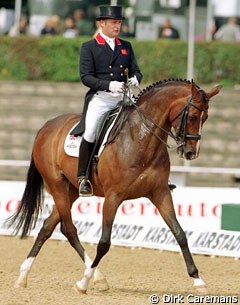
(108, 128)
(73, 139)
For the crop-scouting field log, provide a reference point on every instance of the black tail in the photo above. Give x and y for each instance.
(27, 213)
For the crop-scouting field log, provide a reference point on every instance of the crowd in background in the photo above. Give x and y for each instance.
(70, 27)
(78, 24)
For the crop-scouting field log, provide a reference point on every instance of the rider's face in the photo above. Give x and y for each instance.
(111, 27)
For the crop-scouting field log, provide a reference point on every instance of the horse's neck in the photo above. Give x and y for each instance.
(147, 125)
(154, 112)
(150, 121)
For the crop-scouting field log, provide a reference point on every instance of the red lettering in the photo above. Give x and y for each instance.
(99, 207)
(199, 210)
(143, 206)
(156, 212)
(189, 210)
(215, 211)
(202, 209)
(180, 210)
(83, 207)
(128, 208)
(11, 205)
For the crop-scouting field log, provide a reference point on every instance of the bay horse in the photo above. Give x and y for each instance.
(135, 164)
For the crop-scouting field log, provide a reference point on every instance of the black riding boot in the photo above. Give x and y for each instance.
(85, 151)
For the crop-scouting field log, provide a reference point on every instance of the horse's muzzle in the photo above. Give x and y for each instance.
(190, 155)
(188, 152)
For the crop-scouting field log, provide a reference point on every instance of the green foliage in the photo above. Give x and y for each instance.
(57, 59)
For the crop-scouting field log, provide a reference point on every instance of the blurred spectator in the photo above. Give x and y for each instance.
(229, 31)
(212, 29)
(97, 30)
(22, 28)
(168, 31)
(125, 31)
(84, 25)
(70, 30)
(52, 26)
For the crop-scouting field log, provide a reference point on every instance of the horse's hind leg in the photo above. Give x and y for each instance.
(45, 232)
(166, 209)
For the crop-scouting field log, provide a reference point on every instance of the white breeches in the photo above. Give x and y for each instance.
(100, 103)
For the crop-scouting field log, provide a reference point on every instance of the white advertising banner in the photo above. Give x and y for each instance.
(138, 223)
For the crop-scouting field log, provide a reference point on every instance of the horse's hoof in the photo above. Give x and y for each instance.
(20, 284)
(80, 290)
(101, 285)
(201, 289)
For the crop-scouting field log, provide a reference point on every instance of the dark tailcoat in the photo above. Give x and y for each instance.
(99, 65)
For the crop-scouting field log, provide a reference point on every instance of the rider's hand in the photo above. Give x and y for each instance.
(116, 87)
(133, 81)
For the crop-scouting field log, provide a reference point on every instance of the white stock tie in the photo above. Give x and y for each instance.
(111, 43)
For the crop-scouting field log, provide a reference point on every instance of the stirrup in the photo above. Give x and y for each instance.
(85, 187)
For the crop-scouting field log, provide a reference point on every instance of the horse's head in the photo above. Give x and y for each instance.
(187, 117)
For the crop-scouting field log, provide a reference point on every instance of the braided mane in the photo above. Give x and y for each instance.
(159, 84)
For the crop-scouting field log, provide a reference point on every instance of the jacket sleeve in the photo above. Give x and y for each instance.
(134, 68)
(87, 70)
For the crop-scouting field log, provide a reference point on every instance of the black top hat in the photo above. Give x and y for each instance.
(110, 12)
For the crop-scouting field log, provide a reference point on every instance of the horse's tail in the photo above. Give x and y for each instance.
(25, 217)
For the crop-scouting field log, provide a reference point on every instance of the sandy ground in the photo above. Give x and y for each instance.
(133, 275)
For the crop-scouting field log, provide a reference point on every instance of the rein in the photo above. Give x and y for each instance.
(180, 136)
(148, 119)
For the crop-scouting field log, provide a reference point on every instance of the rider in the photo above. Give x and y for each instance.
(105, 64)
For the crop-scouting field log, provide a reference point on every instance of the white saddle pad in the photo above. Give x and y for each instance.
(72, 143)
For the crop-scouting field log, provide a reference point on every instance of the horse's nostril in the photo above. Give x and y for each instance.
(189, 155)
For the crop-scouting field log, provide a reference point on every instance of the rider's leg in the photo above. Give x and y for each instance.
(97, 107)
(85, 152)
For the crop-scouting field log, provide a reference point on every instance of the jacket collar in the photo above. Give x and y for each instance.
(101, 40)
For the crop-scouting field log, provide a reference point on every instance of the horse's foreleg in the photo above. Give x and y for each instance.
(166, 209)
(109, 212)
(70, 231)
(45, 232)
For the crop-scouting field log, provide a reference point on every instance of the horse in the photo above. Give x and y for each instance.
(134, 164)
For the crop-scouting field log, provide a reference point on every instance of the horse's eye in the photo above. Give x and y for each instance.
(192, 118)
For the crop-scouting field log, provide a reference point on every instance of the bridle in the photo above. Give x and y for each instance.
(180, 133)
(179, 136)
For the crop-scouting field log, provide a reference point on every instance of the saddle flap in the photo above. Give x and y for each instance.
(73, 141)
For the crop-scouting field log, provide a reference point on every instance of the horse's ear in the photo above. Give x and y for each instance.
(194, 90)
(214, 91)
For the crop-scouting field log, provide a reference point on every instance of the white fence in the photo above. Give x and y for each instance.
(178, 173)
